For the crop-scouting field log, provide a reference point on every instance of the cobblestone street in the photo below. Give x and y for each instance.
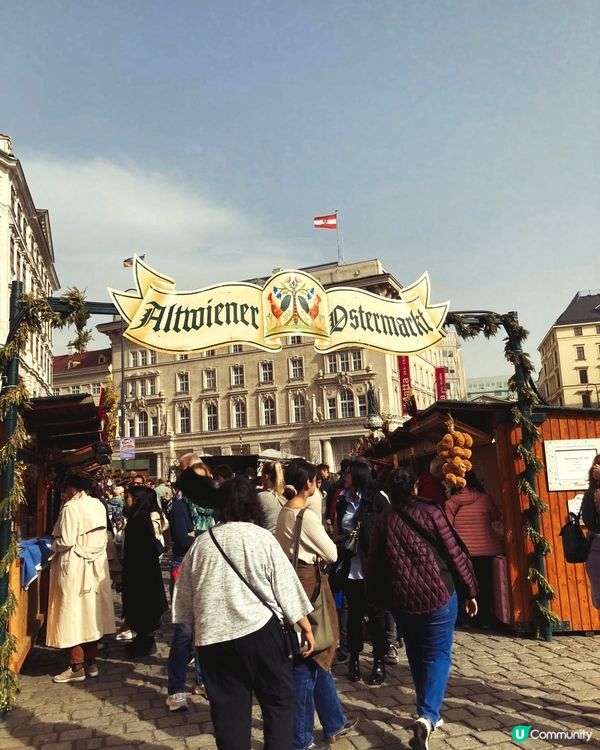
(498, 682)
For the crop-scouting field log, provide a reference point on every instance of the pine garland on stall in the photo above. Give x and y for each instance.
(467, 326)
(34, 314)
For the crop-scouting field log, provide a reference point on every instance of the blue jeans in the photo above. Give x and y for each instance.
(315, 688)
(181, 652)
(428, 642)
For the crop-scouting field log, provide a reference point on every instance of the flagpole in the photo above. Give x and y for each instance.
(340, 248)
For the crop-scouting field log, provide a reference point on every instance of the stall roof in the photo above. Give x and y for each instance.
(64, 423)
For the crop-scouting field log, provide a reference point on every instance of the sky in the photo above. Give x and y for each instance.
(460, 138)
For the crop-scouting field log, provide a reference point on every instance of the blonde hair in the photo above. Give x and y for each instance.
(273, 471)
(194, 465)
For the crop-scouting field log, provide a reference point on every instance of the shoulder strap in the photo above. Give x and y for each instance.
(239, 575)
(296, 538)
(423, 533)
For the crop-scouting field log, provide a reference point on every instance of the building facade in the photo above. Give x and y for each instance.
(494, 386)
(82, 372)
(570, 353)
(26, 255)
(237, 399)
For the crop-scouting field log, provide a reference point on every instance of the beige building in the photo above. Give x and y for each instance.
(238, 399)
(570, 352)
(27, 255)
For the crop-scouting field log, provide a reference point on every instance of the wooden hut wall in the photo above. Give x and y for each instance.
(573, 601)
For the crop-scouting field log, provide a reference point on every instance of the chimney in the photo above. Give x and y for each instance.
(6, 144)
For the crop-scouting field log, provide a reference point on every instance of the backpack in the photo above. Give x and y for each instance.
(575, 545)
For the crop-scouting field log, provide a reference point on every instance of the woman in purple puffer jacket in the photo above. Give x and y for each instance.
(417, 565)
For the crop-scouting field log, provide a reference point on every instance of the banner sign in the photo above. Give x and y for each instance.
(405, 381)
(290, 303)
(127, 449)
(440, 384)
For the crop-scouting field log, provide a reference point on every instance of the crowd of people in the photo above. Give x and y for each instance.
(273, 580)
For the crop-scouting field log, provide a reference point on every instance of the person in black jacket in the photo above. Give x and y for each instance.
(143, 592)
(590, 512)
(358, 507)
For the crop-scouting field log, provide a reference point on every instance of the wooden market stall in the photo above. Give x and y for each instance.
(496, 462)
(64, 432)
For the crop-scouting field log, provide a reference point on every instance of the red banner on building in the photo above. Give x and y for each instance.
(407, 399)
(440, 384)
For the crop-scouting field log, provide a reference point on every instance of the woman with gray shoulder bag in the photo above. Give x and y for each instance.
(306, 543)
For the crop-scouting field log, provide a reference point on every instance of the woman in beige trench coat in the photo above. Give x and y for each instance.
(80, 605)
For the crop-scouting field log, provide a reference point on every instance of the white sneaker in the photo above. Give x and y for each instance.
(125, 635)
(439, 723)
(422, 731)
(177, 702)
(70, 675)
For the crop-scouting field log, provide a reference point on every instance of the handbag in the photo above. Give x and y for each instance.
(319, 617)
(347, 547)
(291, 638)
(575, 545)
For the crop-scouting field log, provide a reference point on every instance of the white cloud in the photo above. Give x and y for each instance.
(102, 212)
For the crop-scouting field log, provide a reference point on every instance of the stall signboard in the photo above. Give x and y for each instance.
(440, 384)
(568, 462)
(127, 449)
(290, 303)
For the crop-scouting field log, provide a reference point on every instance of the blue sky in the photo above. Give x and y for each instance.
(460, 138)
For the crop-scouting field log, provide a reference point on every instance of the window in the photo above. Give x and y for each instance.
(344, 361)
(184, 419)
(296, 368)
(143, 387)
(239, 414)
(295, 340)
(299, 408)
(182, 357)
(269, 411)
(131, 388)
(209, 353)
(331, 408)
(597, 329)
(237, 375)
(152, 357)
(143, 424)
(357, 359)
(152, 386)
(346, 404)
(131, 428)
(144, 358)
(578, 331)
(266, 372)
(583, 376)
(212, 422)
(580, 352)
(75, 389)
(331, 363)
(237, 348)
(183, 382)
(154, 425)
(362, 405)
(96, 389)
(56, 391)
(586, 400)
(210, 378)
(134, 359)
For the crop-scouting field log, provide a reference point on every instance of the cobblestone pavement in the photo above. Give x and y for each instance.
(497, 682)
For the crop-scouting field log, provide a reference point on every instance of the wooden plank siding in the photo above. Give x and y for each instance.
(573, 601)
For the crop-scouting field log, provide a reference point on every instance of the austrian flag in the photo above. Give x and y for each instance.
(325, 222)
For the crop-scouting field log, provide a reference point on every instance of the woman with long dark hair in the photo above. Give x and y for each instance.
(358, 507)
(315, 687)
(234, 585)
(590, 512)
(143, 592)
(417, 564)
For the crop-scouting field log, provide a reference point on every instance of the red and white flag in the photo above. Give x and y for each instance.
(325, 222)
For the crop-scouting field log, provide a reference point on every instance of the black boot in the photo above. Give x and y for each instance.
(354, 669)
(377, 676)
(141, 645)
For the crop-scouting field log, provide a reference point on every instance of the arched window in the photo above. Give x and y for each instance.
(269, 411)
(299, 408)
(184, 419)
(240, 414)
(212, 419)
(143, 424)
(346, 403)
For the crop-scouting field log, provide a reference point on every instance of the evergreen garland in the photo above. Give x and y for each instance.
(467, 326)
(33, 314)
